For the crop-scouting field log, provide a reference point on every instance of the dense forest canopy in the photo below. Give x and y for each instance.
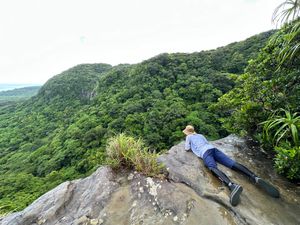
(61, 133)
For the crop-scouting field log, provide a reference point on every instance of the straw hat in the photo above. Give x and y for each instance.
(189, 129)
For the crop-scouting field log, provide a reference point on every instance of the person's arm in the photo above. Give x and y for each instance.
(187, 145)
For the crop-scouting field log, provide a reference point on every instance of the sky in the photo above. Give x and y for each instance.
(42, 38)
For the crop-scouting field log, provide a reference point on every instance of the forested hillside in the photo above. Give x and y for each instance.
(61, 132)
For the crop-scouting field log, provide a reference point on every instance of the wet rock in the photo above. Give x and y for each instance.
(256, 207)
(190, 195)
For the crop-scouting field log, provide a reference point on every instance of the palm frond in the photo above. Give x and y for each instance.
(295, 134)
(280, 137)
(286, 11)
(279, 127)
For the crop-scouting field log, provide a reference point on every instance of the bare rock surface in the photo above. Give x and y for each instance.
(189, 195)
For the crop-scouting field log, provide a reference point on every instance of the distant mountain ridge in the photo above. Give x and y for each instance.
(17, 94)
(20, 91)
(11, 86)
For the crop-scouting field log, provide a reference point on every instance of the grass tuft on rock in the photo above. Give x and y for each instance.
(127, 152)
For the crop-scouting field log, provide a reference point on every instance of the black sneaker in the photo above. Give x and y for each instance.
(270, 189)
(236, 190)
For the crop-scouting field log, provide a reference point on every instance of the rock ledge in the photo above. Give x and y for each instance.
(190, 195)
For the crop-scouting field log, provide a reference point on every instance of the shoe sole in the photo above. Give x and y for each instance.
(235, 195)
(270, 189)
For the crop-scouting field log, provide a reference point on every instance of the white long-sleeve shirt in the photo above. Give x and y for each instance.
(198, 144)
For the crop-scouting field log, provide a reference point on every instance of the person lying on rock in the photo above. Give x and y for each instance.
(210, 155)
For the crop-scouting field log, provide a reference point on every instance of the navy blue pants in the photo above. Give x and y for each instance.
(214, 155)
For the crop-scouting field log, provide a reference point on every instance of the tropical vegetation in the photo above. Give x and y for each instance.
(265, 100)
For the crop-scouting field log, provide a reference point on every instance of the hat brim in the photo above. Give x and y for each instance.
(186, 132)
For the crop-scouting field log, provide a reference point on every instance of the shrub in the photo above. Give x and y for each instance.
(127, 152)
(282, 128)
(287, 162)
